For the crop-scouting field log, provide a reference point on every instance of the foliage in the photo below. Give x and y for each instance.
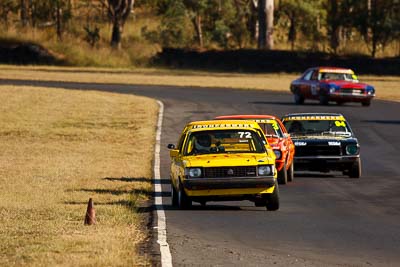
(304, 17)
(378, 23)
(337, 26)
(92, 35)
(173, 30)
(7, 7)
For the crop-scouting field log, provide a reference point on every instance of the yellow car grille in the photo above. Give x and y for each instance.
(218, 172)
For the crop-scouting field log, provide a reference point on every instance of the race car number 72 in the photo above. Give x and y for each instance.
(244, 134)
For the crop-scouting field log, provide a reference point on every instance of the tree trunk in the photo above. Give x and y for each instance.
(58, 22)
(334, 26)
(116, 34)
(270, 24)
(254, 21)
(118, 12)
(262, 24)
(32, 9)
(292, 32)
(24, 13)
(198, 28)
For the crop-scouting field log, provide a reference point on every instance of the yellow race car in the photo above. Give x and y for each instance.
(223, 161)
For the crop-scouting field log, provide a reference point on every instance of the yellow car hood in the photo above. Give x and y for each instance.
(227, 160)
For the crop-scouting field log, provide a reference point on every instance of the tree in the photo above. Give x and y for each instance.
(269, 7)
(301, 16)
(6, 7)
(174, 30)
(265, 24)
(196, 10)
(378, 22)
(118, 12)
(334, 26)
(24, 12)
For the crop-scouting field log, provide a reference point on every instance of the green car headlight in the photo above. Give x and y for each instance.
(265, 170)
(351, 149)
(194, 172)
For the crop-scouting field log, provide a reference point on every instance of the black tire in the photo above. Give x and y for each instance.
(282, 175)
(174, 196)
(366, 104)
(323, 99)
(273, 199)
(260, 203)
(184, 201)
(298, 98)
(355, 170)
(340, 103)
(290, 173)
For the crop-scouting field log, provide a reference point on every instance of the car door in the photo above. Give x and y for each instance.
(176, 159)
(314, 85)
(288, 142)
(303, 85)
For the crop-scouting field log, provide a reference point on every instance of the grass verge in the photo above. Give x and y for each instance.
(387, 87)
(59, 148)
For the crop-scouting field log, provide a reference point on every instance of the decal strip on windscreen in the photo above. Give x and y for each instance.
(223, 125)
(319, 118)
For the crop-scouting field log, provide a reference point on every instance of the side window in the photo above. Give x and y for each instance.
(314, 75)
(262, 136)
(307, 76)
(180, 142)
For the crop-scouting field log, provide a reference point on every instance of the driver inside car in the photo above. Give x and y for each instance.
(202, 144)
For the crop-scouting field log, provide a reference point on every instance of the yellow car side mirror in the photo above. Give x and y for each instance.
(173, 153)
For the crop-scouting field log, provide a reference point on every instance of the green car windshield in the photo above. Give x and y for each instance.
(224, 141)
(317, 127)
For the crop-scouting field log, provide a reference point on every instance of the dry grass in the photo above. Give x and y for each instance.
(58, 149)
(76, 51)
(386, 87)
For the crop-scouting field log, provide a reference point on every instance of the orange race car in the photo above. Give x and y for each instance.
(279, 140)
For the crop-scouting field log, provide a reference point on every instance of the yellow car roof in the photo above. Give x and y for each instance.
(222, 124)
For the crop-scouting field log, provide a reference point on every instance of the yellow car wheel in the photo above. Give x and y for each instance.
(273, 199)
(184, 201)
(174, 196)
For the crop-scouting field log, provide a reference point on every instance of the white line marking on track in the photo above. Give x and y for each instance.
(166, 259)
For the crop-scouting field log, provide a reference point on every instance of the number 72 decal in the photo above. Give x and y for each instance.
(244, 134)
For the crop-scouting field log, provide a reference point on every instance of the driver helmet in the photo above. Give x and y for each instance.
(296, 127)
(203, 142)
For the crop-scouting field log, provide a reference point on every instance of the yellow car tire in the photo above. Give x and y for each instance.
(273, 199)
(184, 201)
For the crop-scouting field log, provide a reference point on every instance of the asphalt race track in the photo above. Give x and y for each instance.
(324, 219)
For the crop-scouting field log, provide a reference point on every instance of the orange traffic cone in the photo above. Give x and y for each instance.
(90, 217)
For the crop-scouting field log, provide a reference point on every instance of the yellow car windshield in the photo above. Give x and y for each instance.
(224, 141)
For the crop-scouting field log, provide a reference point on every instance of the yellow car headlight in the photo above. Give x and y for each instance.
(265, 170)
(194, 172)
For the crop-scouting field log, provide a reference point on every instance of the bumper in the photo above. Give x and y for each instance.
(349, 97)
(229, 183)
(324, 163)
